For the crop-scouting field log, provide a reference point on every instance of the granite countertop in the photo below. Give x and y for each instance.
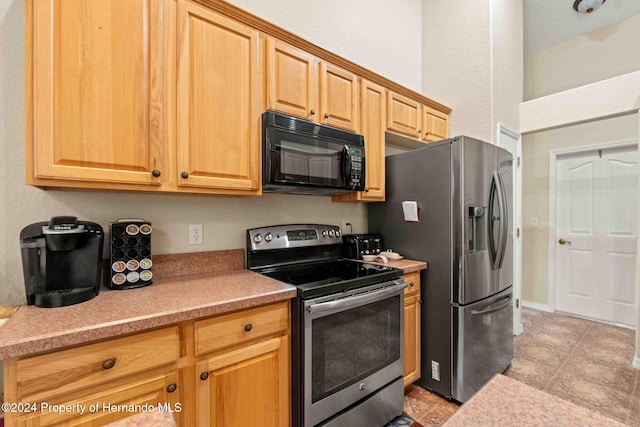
(116, 312)
(504, 401)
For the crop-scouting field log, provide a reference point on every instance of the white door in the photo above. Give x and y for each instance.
(512, 142)
(596, 234)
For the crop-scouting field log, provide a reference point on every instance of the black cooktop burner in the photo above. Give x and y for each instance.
(327, 277)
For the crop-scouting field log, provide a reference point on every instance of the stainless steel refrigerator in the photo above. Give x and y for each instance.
(463, 191)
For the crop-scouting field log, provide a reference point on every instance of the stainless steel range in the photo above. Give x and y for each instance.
(347, 330)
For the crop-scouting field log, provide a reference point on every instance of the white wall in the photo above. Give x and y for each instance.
(599, 55)
(472, 62)
(380, 35)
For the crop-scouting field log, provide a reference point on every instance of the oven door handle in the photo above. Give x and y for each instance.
(357, 300)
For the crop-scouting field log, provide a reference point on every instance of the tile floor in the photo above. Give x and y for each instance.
(585, 362)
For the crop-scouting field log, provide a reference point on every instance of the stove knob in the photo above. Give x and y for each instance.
(337, 233)
(366, 252)
(268, 237)
(324, 233)
(257, 238)
(332, 233)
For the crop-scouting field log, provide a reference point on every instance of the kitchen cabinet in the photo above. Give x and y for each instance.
(372, 119)
(95, 93)
(225, 370)
(301, 85)
(219, 103)
(410, 118)
(131, 370)
(245, 380)
(117, 100)
(412, 303)
(435, 124)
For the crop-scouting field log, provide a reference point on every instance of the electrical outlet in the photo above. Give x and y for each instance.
(534, 221)
(346, 228)
(195, 234)
(435, 370)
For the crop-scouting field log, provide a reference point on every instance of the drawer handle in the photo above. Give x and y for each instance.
(248, 327)
(109, 363)
(172, 387)
(204, 376)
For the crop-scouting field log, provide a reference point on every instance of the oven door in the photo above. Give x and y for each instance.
(353, 346)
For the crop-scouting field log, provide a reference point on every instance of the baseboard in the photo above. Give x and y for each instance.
(636, 362)
(536, 306)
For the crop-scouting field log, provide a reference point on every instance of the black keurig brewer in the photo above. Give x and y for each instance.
(61, 261)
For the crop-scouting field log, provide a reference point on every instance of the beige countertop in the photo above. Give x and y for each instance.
(407, 265)
(115, 312)
(506, 402)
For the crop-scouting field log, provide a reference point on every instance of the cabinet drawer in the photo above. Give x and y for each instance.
(223, 331)
(414, 283)
(88, 365)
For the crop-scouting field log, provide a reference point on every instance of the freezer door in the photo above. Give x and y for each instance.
(483, 343)
(482, 175)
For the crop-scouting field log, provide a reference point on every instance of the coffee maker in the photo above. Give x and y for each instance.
(61, 261)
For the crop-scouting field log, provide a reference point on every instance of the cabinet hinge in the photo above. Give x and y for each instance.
(517, 302)
(518, 161)
(518, 232)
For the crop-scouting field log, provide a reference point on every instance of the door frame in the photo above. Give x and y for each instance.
(553, 161)
(517, 225)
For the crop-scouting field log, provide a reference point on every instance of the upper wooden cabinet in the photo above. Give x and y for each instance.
(218, 141)
(95, 97)
(410, 118)
(291, 80)
(301, 85)
(435, 124)
(339, 97)
(404, 115)
(372, 118)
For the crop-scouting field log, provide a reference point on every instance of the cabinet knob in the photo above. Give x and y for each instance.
(184, 175)
(312, 112)
(419, 130)
(326, 115)
(366, 190)
(204, 376)
(109, 363)
(156, 173)
(172, 387)
(426, 133)
(248, 327)
(411, 284)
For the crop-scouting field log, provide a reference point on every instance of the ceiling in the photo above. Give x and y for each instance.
(549, 22)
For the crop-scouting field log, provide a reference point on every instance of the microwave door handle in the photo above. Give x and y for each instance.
(346, 165)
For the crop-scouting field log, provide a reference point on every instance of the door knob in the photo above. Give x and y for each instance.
(564, 242)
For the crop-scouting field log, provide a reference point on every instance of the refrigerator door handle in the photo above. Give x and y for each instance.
(495, 247)
(507, 300)
(503, 232)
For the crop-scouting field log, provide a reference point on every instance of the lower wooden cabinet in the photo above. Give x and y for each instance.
(240, 377)
(245, 387)
(412, 303)
(112, 404)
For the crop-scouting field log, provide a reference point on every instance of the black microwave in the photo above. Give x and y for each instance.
(303, 157)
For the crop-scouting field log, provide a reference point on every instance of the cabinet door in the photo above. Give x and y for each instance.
(95, 90)
(435, 124)
(339, 97)
(291, 80)
(218, 102)
(404, 115)
(411, 339)
(100, 408)
(245, 387)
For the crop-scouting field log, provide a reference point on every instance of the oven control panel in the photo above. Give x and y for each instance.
(292, 236)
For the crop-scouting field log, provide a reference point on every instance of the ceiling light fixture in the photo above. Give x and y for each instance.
(587, 6)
